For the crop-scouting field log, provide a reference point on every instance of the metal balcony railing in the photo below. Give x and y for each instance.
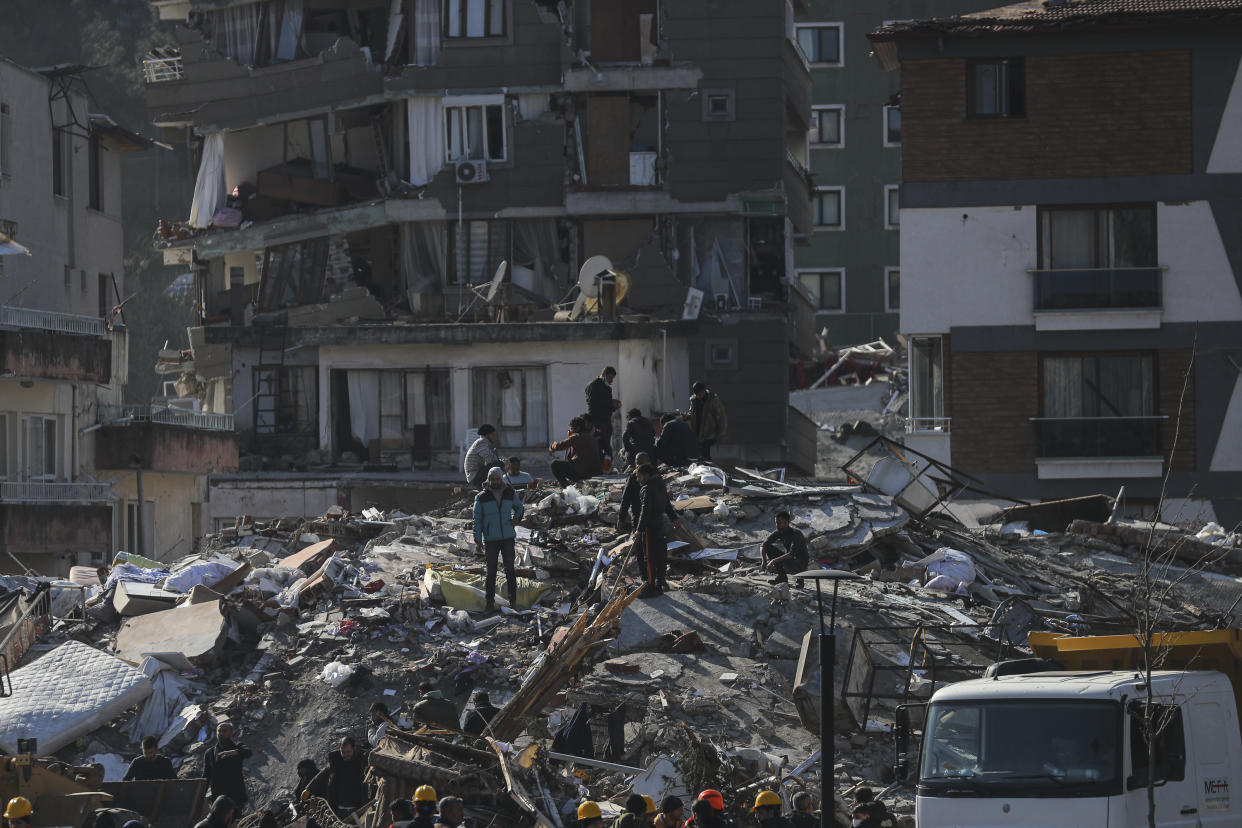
(928, 425)
(162, 69)
(1099, 288)
(166, 415)
(1098, 437)
(52, 321)
(37, 492)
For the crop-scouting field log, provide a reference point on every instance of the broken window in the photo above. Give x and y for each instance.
(767, 255)
(234, 31)
(474, 18)
(927, 384)
(623, 31)
(293, 274)
(39, 454)
(539, 264)
(996, 88)
(622, 140)
(479, 247)
(515, 401)
(298, 408)
(389, 411)
(475, 132)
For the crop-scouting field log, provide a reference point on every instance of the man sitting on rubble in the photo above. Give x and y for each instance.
(434, 709)
(767, 810)
(677, 445)
(638, 437)
(481, 456)
(452, 813)
(804, 815)
(496, 510)
(343, 781)
(582, 457)
(223, 813)
(784, 552)
(307, 771)
(380, 720)
(649, 531)
(476, 717)
(150, 765)
(515, 477)
(223, 767)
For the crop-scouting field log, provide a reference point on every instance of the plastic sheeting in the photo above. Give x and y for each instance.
(464, 591)
(137, 574)
(167, 699)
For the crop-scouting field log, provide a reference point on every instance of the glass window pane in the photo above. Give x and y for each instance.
(831, 291)
(807, 40)
(893, 125)
(829, 126)
(1132, 237)
(474, 132)
(1070, 239)
(986, 101)
(496, 17)
(495, 133)
(894, 206)
(454, 17)
(475, 17)
(894, 289)
(810, 281)
(828, 208)
(829, 44)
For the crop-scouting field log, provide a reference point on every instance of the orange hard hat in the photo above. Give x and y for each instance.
(714, 798)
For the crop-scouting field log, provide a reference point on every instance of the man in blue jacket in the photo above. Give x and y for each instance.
(496, 510)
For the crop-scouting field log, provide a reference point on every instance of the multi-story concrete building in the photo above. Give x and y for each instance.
(385, 165)
(1072, 237)
(66, 495)
(850, 265)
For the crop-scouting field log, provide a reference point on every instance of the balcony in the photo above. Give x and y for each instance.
(928, 425)
(161, 440)
(52, 321)
(166, 415)
(39, 492)
(796, 182)
(162, 69)
(41, 344)
(1108, 298)
(1068, 448)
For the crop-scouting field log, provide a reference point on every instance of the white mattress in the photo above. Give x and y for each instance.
(73, 690)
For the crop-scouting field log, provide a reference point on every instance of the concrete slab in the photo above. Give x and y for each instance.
(786, 640)
(723, 623)
(196, 631)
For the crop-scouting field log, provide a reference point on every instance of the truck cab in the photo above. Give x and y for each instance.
(1067, 748)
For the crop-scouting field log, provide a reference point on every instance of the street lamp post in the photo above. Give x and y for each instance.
(827, 669)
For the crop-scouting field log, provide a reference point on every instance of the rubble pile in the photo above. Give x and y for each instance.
(291, 629)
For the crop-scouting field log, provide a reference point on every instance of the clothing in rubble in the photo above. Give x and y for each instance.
(707, 415)
(582, 460)
(343, 781)
(496, 511)
(677, 445)
(786, 541)
(224, 774)
(436, 710)
(142, 769)
(639, 435)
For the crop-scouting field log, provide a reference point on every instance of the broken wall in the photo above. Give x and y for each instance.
(50, 539)
(181, 511)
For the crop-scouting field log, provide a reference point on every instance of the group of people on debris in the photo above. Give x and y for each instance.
(708, 811)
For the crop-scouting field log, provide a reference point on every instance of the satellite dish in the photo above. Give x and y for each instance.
(494, 287)
(588, 275)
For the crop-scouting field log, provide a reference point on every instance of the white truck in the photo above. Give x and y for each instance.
(1032, 747)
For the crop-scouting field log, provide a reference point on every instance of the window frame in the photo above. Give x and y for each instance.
(937, 380)
(827, 188)
(815, 110)
(1010, 108)
(884, 127)
(49, 421)
(1044, 240)
(888, 285)
(824, 24)
(456, 109)
(1150, 357)
(463, 6)
(490, 416)
(456, 275)
(892, 191)
(818, 296)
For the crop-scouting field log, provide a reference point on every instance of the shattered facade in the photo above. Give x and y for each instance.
(362, 176)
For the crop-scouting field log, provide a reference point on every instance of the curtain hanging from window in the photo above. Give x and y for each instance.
(363, 389)
(536, 247)
(426, 122)
(209, 186)
(422, 259)
(235, 30)
(426, 32)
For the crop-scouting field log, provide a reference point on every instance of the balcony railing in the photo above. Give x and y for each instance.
(1098, 436)
(52, 321)
(166, 415)
(35, 492)
(928, 425)
(162, 69)
(1098, 288)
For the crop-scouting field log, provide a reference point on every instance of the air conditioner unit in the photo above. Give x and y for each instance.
(722, 301)
(471, 172)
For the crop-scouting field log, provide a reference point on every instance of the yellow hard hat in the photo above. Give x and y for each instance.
(589, 810)
(425, 793)
(766, 798)
(19, 806)
(651, 808)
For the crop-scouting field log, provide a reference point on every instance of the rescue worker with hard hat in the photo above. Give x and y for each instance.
(589, 815)
(425, 800)
(708, 811)
(767, 811)
(18, 812)
(649, 814)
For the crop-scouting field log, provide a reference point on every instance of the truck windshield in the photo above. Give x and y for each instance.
(1037, 748)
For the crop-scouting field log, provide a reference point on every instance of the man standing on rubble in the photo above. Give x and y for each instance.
(649, 531)
(150, 765)
(784, 552)
(223, 767)
(707, 415)
(638, 437)
(600, 406)
(343, 781)
(481, 456)
(496, 510)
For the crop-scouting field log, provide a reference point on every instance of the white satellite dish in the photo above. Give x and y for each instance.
(589, 273)
(496, 280)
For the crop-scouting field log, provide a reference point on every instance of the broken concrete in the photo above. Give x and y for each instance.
(196, 632)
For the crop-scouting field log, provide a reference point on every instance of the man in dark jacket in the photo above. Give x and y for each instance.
(600, 406)
(222, 766)
(677, 445)
(784, 552)
(631, 495)
(474, 719)
(707, 415)
(804, 815)
(223, 813)
(497, 510)
(870, 812)
(307, 771)
(434, 709)
(638, 437)
(343, 781)
(452, 813)
(634, 814)
(150, 765)
(582, 459)
(649, 532)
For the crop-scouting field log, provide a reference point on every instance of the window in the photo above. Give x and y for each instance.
(96, 174)
(1098, 406)
(829, 204)
(721, 354)
(827, 288)
(515, 401)
(828, 126)
(927, 384)
(68, 277)
(297, 405)
(1164, 722)
(105, 296)
(4, 446)
(892, 126)
(39, 448)
(821, 43)
(995, 88)
(718, 105)
(475, 132)
(1097, 257)
(147, 547)
(385, 413)
(478, 249)
(60, 184)
(892, 288)
(293, 274)
(474, 18)
(6, 140)
(892, 206)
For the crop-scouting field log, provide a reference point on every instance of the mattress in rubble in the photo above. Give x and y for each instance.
(69, 692)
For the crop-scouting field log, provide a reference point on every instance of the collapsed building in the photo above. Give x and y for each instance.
(363, 175)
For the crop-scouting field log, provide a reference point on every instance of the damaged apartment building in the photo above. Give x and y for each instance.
(400, 205)
(72, 457)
